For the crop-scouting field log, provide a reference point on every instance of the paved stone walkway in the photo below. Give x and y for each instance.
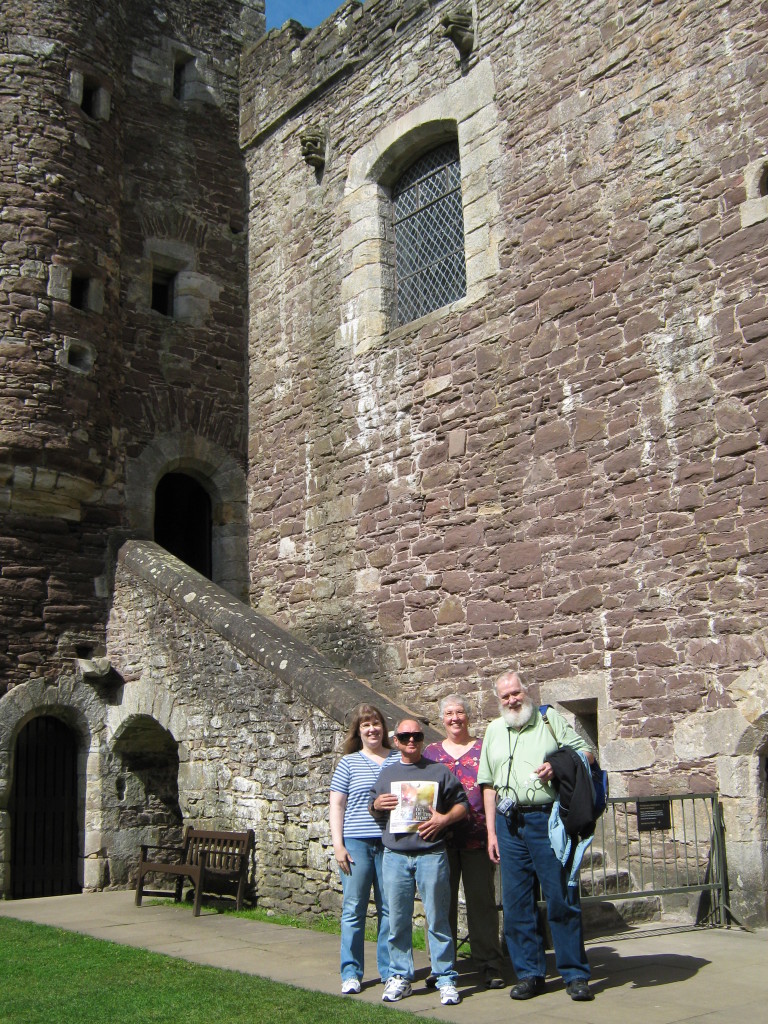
(644, 976)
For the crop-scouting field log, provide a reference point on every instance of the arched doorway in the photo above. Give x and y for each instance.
(44, 811)
(223, 478)
(183, 520)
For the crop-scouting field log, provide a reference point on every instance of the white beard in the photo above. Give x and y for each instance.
(518, 719)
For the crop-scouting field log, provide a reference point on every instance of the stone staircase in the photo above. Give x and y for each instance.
(601, 879)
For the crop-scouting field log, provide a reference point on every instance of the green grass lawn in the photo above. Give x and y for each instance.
(50, 976)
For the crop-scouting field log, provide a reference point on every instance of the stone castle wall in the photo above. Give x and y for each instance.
(566, 470)
(59, 170)
(106, 174)
(258, 719)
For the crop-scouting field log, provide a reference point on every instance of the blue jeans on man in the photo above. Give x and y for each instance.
(526, 854)
(367, 855)
(403, 873)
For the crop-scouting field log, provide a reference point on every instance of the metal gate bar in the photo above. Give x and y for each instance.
(655, 846)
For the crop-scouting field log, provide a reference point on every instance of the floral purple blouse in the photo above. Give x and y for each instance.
(469, 835)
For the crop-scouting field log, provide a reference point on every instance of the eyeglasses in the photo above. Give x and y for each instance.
(406, 737)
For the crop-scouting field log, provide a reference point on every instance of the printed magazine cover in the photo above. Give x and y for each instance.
(415, 803)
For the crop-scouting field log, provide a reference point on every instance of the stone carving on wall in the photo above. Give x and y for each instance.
(457, 26)
(313, 142)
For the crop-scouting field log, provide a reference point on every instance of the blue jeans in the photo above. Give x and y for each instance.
(366, 872)
(526, 854)
(403, 872)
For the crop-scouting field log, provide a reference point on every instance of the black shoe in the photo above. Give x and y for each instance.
(527, 988)
(578, 990)
(431, 981)
(492, 979)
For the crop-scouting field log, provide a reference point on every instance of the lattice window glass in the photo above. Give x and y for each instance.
(429, 234)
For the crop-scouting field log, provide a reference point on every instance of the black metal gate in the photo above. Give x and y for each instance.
(43, 808)
(656, 846)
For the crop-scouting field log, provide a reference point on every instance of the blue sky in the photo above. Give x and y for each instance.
(308, 12)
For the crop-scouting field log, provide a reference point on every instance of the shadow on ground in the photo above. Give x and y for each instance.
(612, 969)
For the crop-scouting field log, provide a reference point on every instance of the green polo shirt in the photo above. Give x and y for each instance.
(510, 756)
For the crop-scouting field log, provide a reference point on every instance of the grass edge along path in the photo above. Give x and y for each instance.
(54, 975)
(325, 923)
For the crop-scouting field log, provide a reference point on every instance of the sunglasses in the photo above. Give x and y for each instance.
(406, 737)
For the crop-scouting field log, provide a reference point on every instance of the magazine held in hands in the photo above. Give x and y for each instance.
(416, 802)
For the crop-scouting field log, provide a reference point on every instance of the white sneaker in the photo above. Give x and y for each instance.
(350, 987)
(449, 995)
(397, 988)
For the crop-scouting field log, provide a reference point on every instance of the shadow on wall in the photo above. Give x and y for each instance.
(347, 642)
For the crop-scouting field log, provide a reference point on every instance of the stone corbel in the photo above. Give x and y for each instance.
(98, 672)
(457, 26)
(313, 143)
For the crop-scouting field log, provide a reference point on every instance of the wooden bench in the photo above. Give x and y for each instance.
(214, 861)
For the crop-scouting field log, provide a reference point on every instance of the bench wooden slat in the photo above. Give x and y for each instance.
(205, 856)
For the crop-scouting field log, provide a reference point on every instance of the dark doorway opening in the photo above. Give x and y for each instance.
(183, 520)
(43, 810)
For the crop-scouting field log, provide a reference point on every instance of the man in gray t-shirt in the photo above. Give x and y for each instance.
(417, 801)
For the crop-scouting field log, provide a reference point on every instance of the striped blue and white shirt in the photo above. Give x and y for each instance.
(355, 776)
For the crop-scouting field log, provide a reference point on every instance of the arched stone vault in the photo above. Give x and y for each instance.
(144, 699)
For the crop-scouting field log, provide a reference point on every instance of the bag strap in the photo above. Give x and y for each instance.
(543, 708)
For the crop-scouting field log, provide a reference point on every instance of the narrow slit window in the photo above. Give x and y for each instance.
(90, 97)
(430, 269)
(182, 70)
(163, 289)
(78, 291)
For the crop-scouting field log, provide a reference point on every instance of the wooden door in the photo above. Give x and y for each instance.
(43, 808)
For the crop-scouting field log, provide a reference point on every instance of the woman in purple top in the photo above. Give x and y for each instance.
(468, 850)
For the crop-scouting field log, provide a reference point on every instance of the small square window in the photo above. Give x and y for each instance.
(163, 289)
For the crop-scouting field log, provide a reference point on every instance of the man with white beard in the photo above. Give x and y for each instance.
(518, 796)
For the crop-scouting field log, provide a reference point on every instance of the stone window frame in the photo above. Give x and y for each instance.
(64, 282)
(168, 258)
(185, 78)
(755, 209)
(157, 66)
(77, 355)
(193, 292)
(191, 77)
(84, 86)
(465, 111)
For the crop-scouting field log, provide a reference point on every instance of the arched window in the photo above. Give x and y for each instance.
(429, 234)
(183, 520)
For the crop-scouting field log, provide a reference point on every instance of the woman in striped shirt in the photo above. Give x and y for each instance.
(357, 843)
